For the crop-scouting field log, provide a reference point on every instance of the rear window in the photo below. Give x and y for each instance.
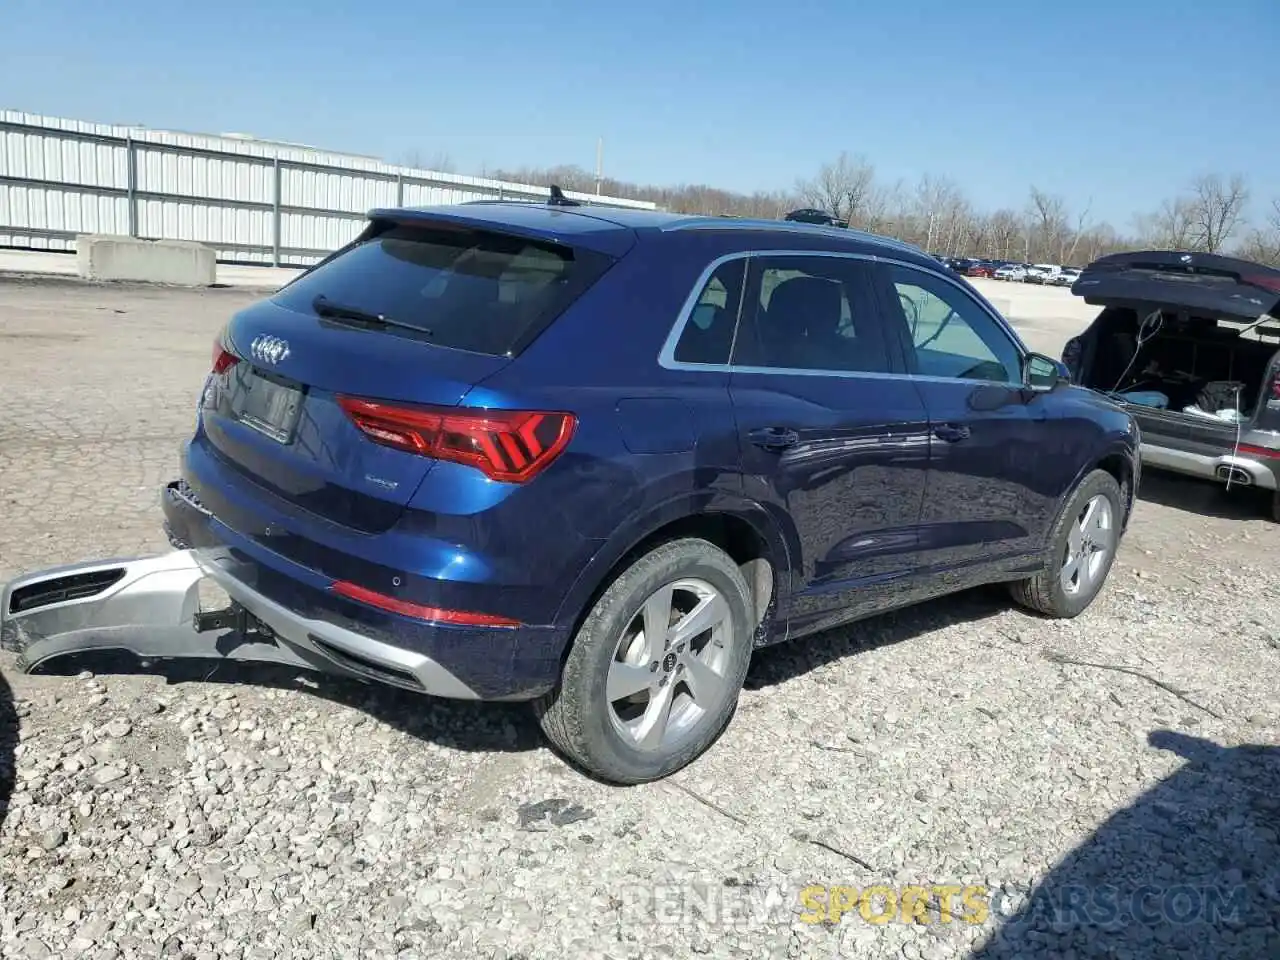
(476, 290)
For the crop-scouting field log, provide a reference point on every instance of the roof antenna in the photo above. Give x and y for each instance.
(558, 199)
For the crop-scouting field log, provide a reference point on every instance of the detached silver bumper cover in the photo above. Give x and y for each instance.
(149, 607)
(144, 606)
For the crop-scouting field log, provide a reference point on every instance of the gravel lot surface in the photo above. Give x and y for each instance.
(1123, 761)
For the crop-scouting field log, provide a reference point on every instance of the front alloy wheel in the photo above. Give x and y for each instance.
(1091, 540)
(1081, 548)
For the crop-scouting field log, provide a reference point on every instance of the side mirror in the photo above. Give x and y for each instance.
(1044, 373)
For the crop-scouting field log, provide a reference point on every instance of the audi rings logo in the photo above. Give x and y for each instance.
(268, 349)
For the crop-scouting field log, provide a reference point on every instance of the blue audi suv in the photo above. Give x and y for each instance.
(594, 458)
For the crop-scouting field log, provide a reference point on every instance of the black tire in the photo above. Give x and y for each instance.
(1044, 593)
(1275, 506)
(576, 716)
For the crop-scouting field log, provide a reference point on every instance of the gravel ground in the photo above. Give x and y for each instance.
(1122, 768)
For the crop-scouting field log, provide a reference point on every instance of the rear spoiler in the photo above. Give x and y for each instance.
(1197, 282)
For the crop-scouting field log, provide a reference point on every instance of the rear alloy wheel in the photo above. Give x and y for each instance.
(1082, 547)
(655, 671)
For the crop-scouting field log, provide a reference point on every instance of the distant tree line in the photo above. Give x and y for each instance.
(1210, 215)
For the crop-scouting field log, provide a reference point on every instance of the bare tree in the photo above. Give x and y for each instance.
(1216, 209)
(1097, 241)
(1048, 214)
(1006, 231)
(1263, 242)
(935, 214)
(1170, 227)
(935, 198)
(841, 188)
(1074, 234)
(883, 210)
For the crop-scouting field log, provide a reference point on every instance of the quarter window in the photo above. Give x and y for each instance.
(708, 336)
(953, 335)
(810, 313)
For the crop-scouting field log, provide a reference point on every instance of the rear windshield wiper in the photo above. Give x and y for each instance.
(325, 307)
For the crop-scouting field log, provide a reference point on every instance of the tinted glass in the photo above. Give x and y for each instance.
(952, 334)
(708, 336)
(468, 289)
(810, 313)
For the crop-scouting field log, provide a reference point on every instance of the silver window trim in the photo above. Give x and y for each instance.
(667, 358)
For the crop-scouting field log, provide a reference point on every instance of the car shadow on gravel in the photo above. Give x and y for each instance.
(457, 724)
(1202, 497)
(785, 661)
(1190, 869)
(8, 745)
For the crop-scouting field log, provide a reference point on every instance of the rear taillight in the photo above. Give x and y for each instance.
(1270, 282)
(407, 608)
(223, 359)
(512, 446)
(1251, 450)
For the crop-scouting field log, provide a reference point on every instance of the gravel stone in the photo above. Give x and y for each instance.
(256, 813)
(118, 728)
(108, 774)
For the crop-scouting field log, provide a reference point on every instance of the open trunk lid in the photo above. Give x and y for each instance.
(413, 313)
(1200, 283)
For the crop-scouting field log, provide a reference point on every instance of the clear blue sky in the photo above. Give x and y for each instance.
(1118, 102)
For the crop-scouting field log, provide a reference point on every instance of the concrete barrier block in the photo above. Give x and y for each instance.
(178, 262)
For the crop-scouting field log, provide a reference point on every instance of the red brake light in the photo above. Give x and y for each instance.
(419, 611)
(512, 446)
(223, 359)
(1250, 450)
(1265, 281)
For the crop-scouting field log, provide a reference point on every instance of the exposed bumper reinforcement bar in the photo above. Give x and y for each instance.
(150, 607)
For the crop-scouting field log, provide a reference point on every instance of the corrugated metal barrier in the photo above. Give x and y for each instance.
(254, 201)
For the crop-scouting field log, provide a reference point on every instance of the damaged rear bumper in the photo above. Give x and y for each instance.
(145, 606)
(150, 607)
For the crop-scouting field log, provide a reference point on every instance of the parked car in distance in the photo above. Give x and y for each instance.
(981, 268)
(428, 462)
(814, 216)
(1041, 272)
(1063, 278)
(1190, 342)
(1011, 271)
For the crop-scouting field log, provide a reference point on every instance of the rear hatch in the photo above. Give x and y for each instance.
(1224, 294)
(1197, 282)
(417, 312)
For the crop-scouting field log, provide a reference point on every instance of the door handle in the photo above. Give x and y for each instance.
(774, 438)
(951, 432)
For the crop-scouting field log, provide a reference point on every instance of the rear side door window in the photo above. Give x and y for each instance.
(707, 337)
(950, 333)
(811, 314)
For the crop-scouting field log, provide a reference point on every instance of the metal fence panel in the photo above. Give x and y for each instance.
(253, 201)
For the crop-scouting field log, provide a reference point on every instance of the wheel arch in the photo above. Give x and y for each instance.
(1120, 459)
(745, 530)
